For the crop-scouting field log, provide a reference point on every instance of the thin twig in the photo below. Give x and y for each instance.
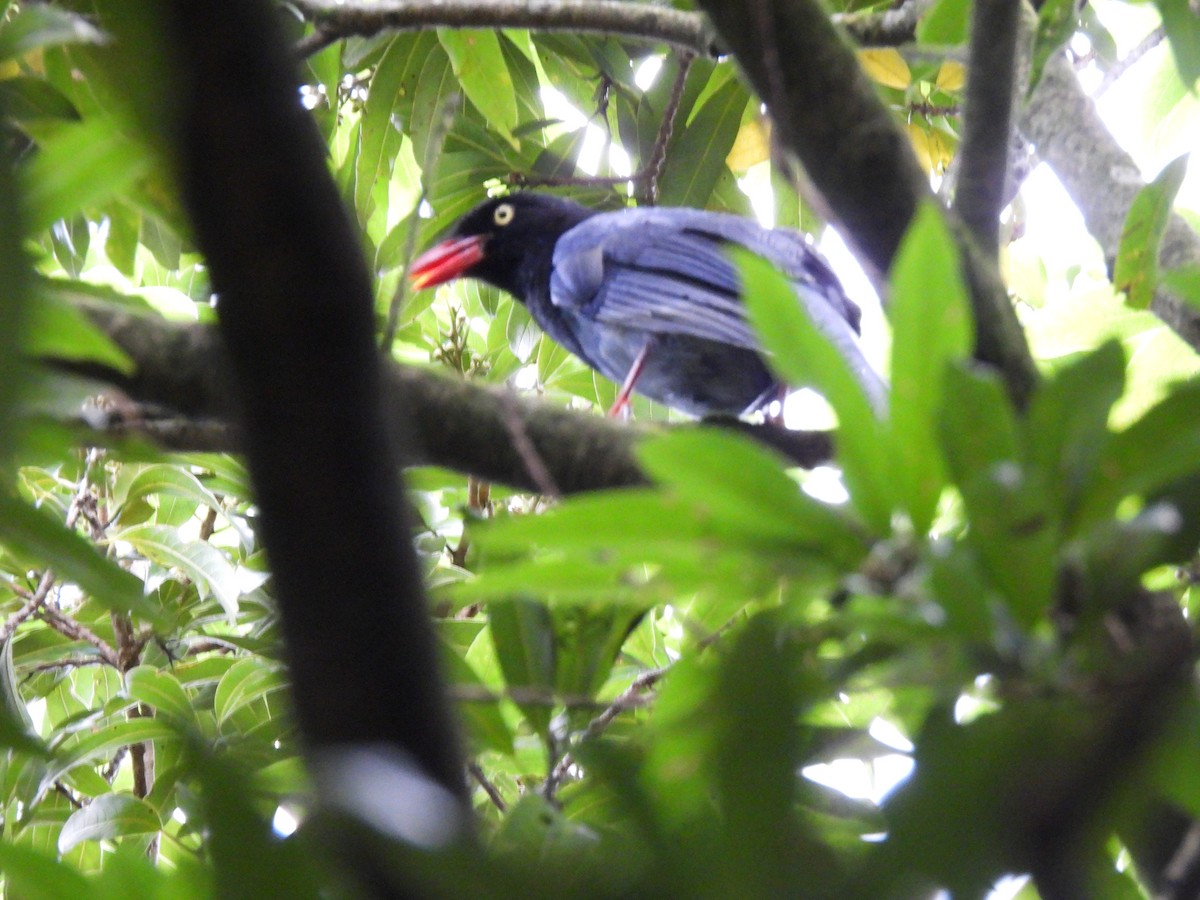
(488, 788)
(1148, 43)
(630, 698)
(658, 157)
(648, 175)
(539, 474)
(34, 601)
(68, 627)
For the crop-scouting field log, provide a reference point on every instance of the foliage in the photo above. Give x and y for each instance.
(652, 682)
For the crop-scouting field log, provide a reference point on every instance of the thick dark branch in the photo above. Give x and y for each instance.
(296, 316)
(855, 153)
(454, 424)
(1102, 179)
(987, 123)
(632, 20)
(648, 22)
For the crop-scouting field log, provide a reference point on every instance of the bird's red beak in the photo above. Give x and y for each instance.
(446, 261)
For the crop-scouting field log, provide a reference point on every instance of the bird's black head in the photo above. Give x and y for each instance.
(506, 241)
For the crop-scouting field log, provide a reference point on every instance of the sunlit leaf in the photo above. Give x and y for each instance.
(107, 817)
(84, 163)
(931, 328)
(1136, 269)
(804, 356)
(886, 66)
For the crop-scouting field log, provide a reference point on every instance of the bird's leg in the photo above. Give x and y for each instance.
(622, 402)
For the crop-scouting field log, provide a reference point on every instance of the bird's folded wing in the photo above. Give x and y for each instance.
(666, 271)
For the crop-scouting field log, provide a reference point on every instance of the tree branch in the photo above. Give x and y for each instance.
(987, 121)
(856, 155)
(453, 423)
(1102, 179)
(296, 317)
(631, 20)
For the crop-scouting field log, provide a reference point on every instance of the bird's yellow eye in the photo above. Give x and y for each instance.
(504, 214)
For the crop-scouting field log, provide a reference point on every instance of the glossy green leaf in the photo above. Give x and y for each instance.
(248, 681)
(172, 481)
(26, 99)
(203, 563)
(483, 74)
(104, 741)
(804, 356)
(1056, 24)
(1136, 269)
(931, 328)
(523, 634)
(978, 424)
(698, 154)
(744, 488)
(390, 93)
(1067, 425)
(82, 164)
(108, 817)
(1160, 447)
(162, 691)
(38, 874)
(16, 725)
(484, 723)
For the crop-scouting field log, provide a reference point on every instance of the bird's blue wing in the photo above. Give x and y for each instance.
(665, 271)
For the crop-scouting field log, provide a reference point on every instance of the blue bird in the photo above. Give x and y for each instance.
(648, 297)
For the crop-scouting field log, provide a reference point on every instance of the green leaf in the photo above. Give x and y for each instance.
(945, 23)
(1184, 281)
(479, 65)
(931, 328)
(1056, 24)
(435, 83)
(394, 77)
(102, 742)
(162, 691)
(247, 681)
(203, 563)
(26, 99)
(1067, 425)
(35, 875)
(745, 490)
(697, 156)
(523, 635)
(978, 423)
(1182, 26)
(1136, 268)
(172, 480)
(482, 718)
(59, 330)
(40, 537)
(16, 726)
(1160, 447)
(82, 164)
(803, 356)
(107, 817)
